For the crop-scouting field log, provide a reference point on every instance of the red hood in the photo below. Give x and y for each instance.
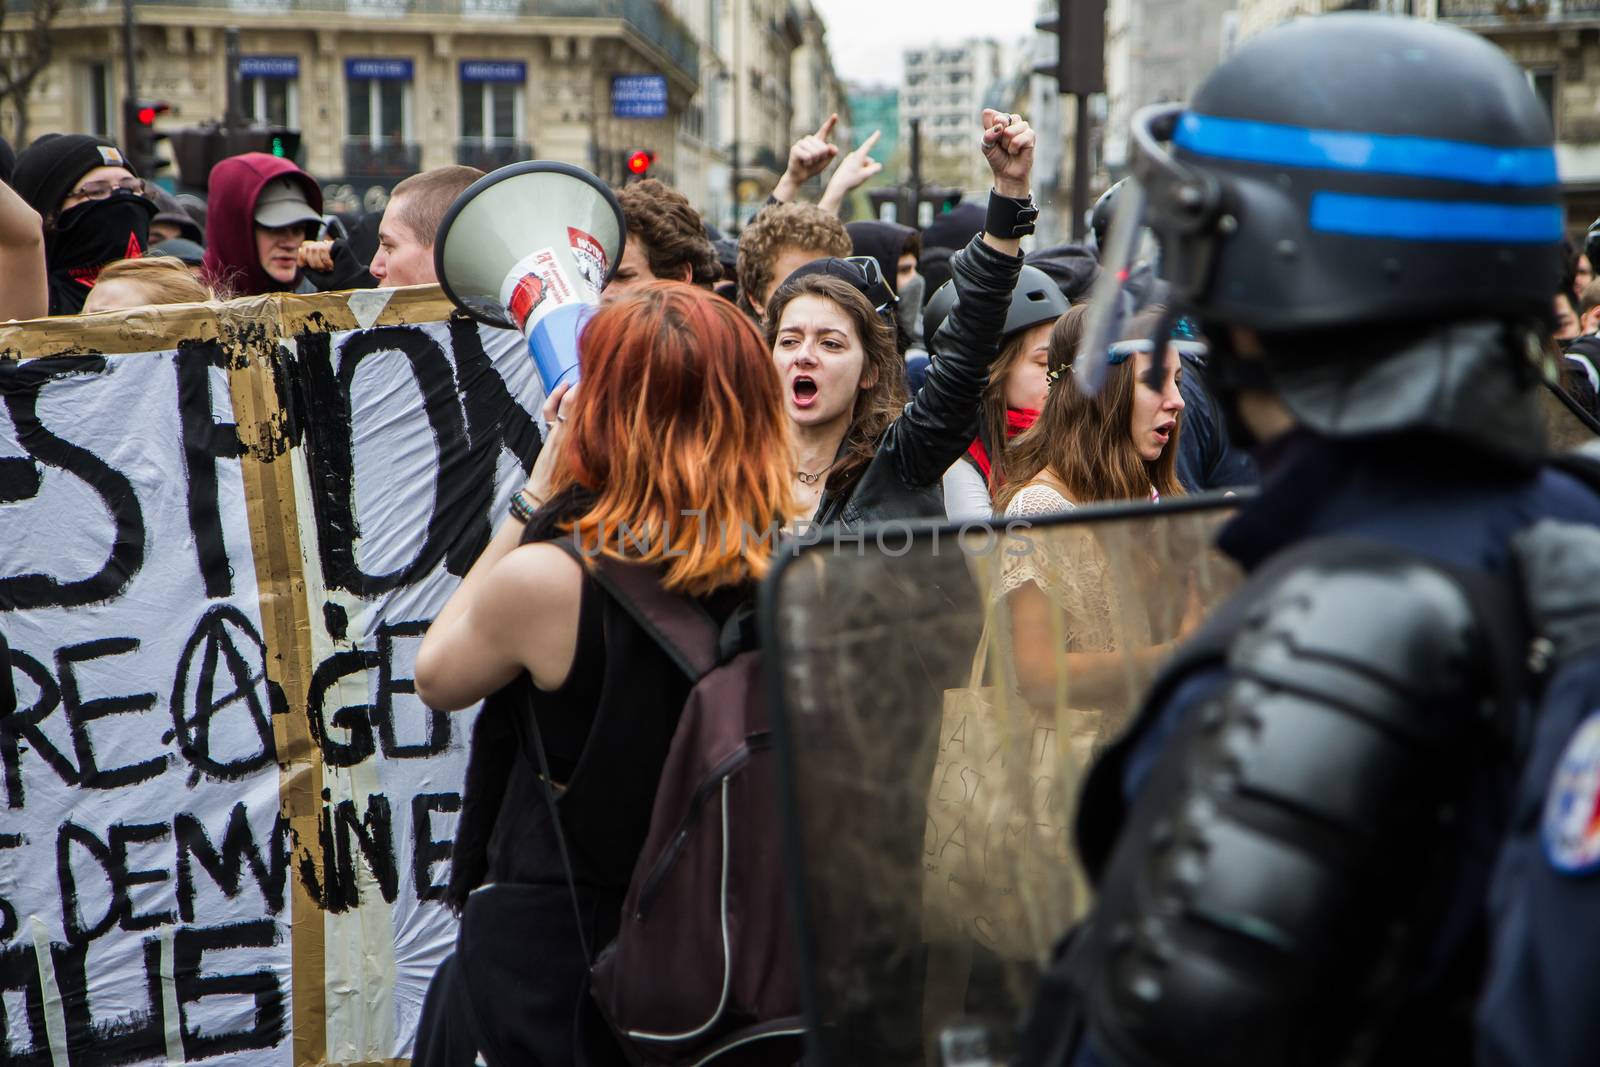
(235, 184)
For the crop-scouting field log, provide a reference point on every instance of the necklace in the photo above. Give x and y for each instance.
(813, 479)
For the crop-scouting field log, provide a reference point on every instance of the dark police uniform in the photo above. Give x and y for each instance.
(1292, 846)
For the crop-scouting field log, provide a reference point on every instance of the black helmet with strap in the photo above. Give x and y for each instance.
(1387, 219)
(1036, 298)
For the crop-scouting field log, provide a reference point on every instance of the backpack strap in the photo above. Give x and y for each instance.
(685, 631)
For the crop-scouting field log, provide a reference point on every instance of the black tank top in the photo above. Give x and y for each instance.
(606, 731)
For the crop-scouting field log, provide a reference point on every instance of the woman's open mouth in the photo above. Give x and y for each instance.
(1163, 433)
(804, 391)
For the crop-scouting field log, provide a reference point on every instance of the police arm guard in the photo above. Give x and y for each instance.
(1281, 865)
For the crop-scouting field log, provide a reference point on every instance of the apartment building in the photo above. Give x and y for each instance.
(946, 87)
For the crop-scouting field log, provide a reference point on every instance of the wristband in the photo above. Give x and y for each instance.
(523, 506)
(1009, 217)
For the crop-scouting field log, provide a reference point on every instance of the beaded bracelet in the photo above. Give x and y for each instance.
(523, 506)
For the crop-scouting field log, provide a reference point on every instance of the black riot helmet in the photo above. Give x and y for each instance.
(1100, 216)
(1354, 188)
(1036, 298)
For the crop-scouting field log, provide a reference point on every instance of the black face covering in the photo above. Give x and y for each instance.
(87, 237)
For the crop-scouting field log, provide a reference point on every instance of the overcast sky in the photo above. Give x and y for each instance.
(866, 36)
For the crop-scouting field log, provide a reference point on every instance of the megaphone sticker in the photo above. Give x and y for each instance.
(590, 258)
(536, 286)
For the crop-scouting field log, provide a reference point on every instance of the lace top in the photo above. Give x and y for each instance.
(1078, 572)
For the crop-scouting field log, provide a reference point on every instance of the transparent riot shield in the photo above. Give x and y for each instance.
(1567, 425)
(939, 697)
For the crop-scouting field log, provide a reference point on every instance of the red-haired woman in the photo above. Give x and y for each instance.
(676, 434)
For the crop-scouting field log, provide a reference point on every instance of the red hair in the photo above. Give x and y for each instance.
(678, 428)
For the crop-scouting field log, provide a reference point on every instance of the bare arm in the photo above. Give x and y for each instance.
(1092, 679)
(854, 169)
(517, 608)
(808, 157)
(25, 294)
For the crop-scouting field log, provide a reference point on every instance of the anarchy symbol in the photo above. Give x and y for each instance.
(224, 655)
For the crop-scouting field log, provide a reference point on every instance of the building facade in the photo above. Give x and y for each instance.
(380, 89)
(1157, 51)
(945, 88)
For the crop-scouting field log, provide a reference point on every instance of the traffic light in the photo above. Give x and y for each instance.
(640, 161)
(1080, 65)
(140, 133)
(198, 150)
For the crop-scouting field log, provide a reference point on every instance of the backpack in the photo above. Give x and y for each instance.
(703, 967)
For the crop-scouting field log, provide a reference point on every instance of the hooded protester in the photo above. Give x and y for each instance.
(172, 222)
(897, 249)
(93, 208)
(261, 209)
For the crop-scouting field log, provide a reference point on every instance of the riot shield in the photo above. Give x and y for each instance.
(1567, 425)
(939, 697)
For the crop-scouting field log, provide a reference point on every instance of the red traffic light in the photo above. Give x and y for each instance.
(146, 112)
(640, 161)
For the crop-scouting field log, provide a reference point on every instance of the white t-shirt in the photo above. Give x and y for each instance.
(966, 494)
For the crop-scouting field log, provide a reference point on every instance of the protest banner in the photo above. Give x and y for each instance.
(225, 817)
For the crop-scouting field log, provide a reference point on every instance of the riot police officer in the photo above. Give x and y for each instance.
(1291, 844)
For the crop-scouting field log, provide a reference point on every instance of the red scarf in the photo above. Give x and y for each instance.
(1017, 420)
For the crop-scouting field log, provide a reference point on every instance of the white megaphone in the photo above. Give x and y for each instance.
(529, 247)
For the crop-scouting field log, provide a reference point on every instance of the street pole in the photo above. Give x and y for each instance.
(1080, 170)
(130, 91)
(737, 82)
(916, 176)
(232, 118)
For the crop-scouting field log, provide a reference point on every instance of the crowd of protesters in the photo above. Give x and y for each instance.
(809, 372)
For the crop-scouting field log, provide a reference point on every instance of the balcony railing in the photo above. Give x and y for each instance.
(386, 159)
(492, 154)
(650, 19)
(1513, 12)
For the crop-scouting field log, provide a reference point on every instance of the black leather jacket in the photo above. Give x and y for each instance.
(903, 481)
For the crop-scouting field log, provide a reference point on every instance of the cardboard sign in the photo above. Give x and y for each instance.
(225, 817)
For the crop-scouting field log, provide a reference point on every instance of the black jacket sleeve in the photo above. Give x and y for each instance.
(942, 419)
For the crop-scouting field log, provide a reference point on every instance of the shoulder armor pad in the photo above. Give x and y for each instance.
(1560, 565)
(1371, 634)
(1285, 852)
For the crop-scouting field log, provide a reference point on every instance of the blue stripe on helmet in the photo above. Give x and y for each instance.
(1434, 220)
(1367, 153)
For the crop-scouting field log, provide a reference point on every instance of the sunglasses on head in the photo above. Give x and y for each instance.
(872, 275)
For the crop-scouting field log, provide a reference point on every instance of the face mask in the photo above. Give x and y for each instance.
(96, 232)
(910, 307)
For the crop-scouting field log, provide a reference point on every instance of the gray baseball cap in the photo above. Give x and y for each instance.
(283, 203)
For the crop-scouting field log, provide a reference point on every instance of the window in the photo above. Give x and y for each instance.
(490, 111)
(1544, 84)
(376, 109)
(274, 101)
(269, 89)
(97, 117)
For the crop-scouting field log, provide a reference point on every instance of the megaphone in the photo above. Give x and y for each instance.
(529, 247)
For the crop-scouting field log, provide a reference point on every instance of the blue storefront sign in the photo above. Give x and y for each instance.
(639, 96)
(386, 69)
(269, 66)
(494, 70)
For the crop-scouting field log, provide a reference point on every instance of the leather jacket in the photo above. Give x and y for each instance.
(904, 478)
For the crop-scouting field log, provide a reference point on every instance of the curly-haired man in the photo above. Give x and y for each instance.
(783, 238)
(666, 240)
